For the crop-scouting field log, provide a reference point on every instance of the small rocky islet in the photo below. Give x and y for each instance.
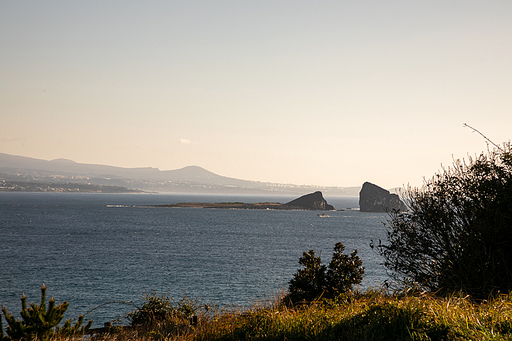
(373, 198)
(311, 202)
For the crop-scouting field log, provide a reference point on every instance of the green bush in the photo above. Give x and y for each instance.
(316, 280)
(457, 234)
(40, 322)
(158, 309)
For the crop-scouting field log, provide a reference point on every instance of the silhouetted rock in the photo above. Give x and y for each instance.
(312, 201)
(373, 198)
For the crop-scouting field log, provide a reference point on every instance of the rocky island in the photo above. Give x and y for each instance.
(311, 202)
(373, 198)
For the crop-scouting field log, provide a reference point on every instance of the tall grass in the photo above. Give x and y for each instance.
(371, 315)
(374, 316)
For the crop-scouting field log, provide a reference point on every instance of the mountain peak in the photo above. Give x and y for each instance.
(194, 172)
(65, 161)
(193, 167)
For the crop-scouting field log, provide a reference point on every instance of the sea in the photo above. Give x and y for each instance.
(103, 253)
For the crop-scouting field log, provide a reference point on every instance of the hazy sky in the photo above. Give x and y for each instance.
(304, 92)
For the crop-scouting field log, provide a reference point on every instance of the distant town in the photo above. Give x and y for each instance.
(87, 185)
(21, 186)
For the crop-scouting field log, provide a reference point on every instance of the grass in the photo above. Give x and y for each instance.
(372, 315)
(369, 315)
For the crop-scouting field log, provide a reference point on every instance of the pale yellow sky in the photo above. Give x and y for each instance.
(323, 93)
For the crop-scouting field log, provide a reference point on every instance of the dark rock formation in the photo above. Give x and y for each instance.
(312, 201)
(373, 198)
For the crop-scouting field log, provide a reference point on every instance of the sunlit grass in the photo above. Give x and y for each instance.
(371, 315)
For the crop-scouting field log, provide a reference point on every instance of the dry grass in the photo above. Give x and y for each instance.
(372, 315)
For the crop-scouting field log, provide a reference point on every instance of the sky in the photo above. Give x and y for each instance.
(330, 93)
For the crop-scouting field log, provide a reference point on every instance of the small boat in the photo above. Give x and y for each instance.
(323, 215)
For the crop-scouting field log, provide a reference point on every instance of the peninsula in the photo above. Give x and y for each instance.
(311, 202)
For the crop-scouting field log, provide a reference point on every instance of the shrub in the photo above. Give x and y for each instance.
(157, 309)
(313, 281)
(343, 272)
(457, 234)
(40, 322)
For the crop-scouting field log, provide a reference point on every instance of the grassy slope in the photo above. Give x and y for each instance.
(368, 316)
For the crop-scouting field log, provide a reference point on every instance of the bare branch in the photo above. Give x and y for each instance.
(485, 137)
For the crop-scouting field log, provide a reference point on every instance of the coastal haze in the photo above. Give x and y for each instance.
(22, 174)
(283, 92)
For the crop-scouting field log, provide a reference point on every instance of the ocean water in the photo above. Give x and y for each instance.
(90, 249)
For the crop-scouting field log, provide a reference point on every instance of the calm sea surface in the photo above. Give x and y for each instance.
(90, 249)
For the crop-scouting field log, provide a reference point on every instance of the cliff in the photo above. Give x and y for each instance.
(373, 198)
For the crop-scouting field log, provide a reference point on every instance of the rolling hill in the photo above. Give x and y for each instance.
(188, 179)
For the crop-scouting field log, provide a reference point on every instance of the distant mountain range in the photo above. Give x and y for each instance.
(17, 171)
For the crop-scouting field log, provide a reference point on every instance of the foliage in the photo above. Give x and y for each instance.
(162, 308)
(309, 282)
(162, 318)
(457, 234)
(343, 272)
(368, 315)
(371, 315)
(313, 281)
(40, 322)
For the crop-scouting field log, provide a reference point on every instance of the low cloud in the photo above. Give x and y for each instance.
(185, 141)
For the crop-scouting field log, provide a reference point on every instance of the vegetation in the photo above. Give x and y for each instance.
(160, 315)
(372, 315)
(457, 234)
(315, 280)
(39, 322)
